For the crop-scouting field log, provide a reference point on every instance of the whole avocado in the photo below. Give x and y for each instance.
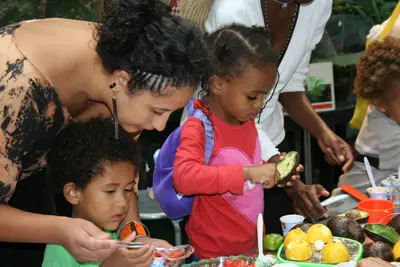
(343, 226)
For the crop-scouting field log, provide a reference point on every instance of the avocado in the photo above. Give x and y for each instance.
(358, 215)
(287, 166)
(378, 250)
(343, 226)
(395, 223)
(379, 232)
(303, 226)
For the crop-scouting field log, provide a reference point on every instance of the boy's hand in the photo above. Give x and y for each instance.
(122, 257)
(130, 257)
(265, 174)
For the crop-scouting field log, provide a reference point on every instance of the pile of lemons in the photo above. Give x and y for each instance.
(298, 245)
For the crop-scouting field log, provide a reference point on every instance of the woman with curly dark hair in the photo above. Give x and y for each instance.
(136, 65)
(378, 81)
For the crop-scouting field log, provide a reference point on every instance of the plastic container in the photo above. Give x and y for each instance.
(393, 183)
(355, 250)
(377, 209)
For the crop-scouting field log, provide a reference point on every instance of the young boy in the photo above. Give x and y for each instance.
(96, 176)
(378, 81)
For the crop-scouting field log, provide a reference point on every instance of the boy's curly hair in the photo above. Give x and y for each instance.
(82, 150)
(377, 69)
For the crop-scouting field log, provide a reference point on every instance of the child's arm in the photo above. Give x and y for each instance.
(192, 176)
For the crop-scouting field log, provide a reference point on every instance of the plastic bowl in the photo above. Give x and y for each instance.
(377, 210)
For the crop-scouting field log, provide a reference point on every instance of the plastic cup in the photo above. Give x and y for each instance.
(394, 184)
(289, 221)
(382, 193)
(377, 210)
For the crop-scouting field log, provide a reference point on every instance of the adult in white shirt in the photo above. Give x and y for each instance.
(295, 27)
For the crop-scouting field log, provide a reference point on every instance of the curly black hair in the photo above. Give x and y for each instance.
(82, 150)
(379, 66)
(237, 47)
(154, 47)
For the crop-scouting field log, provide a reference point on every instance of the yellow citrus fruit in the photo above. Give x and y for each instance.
(396, 251)
(298, 250)
(334, 253)
(295, 234)
(319, 232)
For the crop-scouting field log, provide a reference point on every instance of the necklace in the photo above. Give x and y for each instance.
(264, 4)
(283, 4)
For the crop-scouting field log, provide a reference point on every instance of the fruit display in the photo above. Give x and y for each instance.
(344, 226)
(317, 246)
(358, 215)
(395, 223)
(335, 252)
(378, 250)
(272, 242)
(295, 234)
(319, 232)
(298, 250)
(379, 232)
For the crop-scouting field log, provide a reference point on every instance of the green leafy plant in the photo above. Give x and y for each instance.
(377, 10)
(315, 86)
(12, 11)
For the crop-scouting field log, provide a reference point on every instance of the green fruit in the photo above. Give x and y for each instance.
(287, 167)
(273, 241)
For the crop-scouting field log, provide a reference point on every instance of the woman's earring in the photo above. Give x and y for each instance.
(115, 113)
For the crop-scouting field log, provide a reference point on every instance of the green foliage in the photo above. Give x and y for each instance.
(12, 11)
(377, 10)
(315, 86)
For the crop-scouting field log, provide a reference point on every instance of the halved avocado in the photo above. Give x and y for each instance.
(287, 166)
(378, 250)
(343, 226)
(379, 232)
(395, 223)
(303, 226)
(358, 215)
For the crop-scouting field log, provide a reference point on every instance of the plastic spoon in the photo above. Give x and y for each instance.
(260, 240)
(369, 172)
(353, 192)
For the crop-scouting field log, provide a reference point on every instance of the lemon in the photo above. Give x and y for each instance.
(396, 251)
(334, 253)
(319, 232)
(298, 250)
(295, 234)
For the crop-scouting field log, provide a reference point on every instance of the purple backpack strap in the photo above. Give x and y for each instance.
(172, 203)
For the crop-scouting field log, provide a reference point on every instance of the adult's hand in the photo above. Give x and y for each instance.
(306, 199)
(337, 151)
(85, 241)
(373, 262)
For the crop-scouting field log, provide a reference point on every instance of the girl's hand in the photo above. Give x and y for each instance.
(295, 177)
(265, 174)
(85, 241)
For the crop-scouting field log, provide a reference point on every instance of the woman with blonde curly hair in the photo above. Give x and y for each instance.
(378, 81)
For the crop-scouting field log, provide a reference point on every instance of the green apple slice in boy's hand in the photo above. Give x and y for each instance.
(273, 241)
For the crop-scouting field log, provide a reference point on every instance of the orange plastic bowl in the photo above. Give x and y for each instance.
(380, 211)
